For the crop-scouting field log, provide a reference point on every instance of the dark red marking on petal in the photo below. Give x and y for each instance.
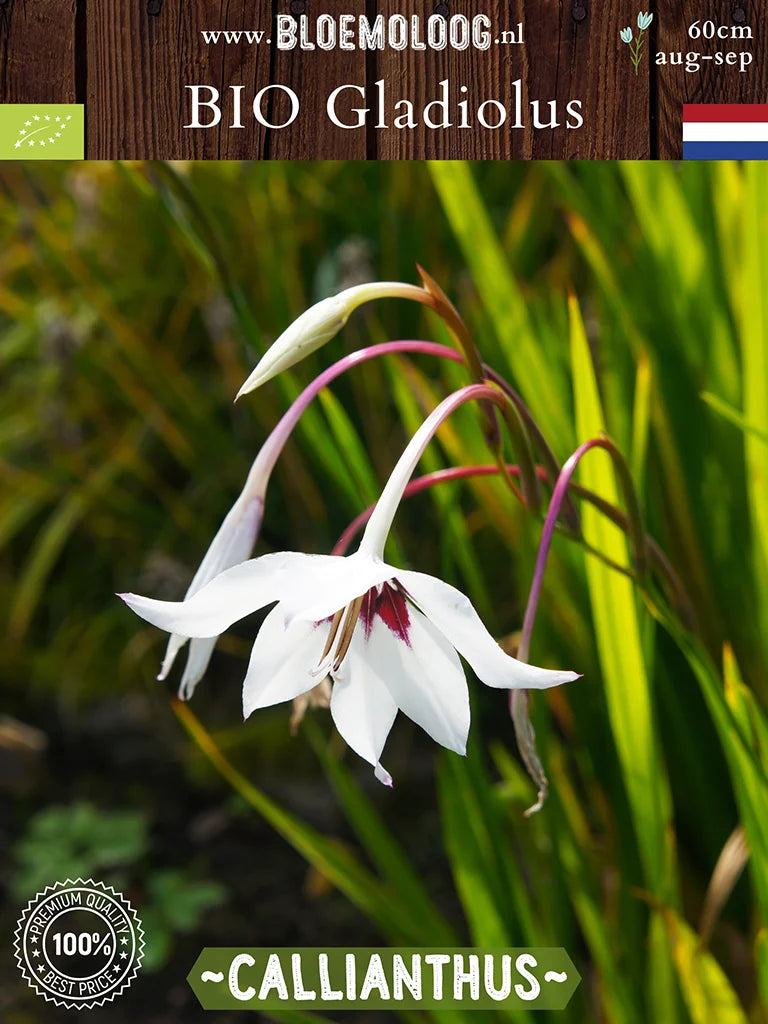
(392, 609)
(368, 610)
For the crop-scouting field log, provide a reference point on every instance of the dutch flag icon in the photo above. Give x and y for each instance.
(725, 131)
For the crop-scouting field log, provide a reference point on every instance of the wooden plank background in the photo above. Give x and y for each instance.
(710, 84)
(38, 46)
(129, 60)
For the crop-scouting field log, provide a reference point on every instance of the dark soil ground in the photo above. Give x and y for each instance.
(129, 752)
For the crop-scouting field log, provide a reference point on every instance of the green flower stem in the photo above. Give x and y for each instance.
(443, 306)
(636, 54)
(521, 443)
(551, 465)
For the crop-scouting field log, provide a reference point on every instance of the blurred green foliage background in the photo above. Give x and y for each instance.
(134, 300)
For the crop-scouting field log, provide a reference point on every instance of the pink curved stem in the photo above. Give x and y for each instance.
(270, 450)
(423, 483)
(634, 527)
(518, 699)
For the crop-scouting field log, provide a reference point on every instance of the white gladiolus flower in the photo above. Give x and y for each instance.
(389, 638)
(626, 35)
(237, 535)
(644, 20)
(319, 324)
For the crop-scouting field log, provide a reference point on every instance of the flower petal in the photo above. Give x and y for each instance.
(362, 707)
(453, 614)
(230, 596)
(199, 655)
(233, 542)
(175, 643)
(334, 586)
(424, 677)
(282, 661)
(232, 545)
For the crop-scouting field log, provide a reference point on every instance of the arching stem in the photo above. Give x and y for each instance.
(518, 700)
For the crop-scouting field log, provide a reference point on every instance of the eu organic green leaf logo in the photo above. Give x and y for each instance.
(42, 131)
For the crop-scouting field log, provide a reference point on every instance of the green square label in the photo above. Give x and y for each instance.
(42, 131)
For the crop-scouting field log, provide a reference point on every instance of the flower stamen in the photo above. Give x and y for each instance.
(335, 623)
(347, 629)
(339, 638)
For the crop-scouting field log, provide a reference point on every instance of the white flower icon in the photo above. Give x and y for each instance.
(644, 19)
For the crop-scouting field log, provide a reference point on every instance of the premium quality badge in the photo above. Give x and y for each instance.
(79, 944)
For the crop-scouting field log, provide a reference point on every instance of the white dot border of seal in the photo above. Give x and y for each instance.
(131, 917)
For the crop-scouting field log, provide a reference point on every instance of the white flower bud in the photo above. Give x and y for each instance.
(319, 324)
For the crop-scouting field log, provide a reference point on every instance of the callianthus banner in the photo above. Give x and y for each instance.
(270, 979)
(407, 79)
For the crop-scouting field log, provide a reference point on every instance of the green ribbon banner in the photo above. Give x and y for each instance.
(233, 978)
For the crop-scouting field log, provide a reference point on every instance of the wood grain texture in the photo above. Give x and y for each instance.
(712, 83)
(313, 75)
(130, 60)
(484, 74)
(140, 57)
(575, 52)
(245, 65)
(37, 51)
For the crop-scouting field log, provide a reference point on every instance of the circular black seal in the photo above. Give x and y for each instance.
(79, 944)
